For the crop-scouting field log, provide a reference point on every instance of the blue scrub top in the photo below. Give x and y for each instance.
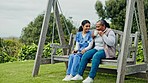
(83, 42)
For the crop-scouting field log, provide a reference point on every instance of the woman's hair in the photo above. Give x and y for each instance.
(103, 22)
(82, 24)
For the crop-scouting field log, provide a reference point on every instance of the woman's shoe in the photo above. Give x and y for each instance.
(67, 78)
(77, 77)
(88, 80)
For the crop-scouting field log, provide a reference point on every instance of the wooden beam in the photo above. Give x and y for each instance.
(136, 46)
(143, 29)
(114, 71)
(125, 42)
(42, 39)
(132, 69)
(59, 26)
(60, 29)
(140, 6)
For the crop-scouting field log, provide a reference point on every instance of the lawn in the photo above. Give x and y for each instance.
(21, 72)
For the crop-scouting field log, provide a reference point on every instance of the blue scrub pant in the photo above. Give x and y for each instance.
(96, 57)
(73, 64)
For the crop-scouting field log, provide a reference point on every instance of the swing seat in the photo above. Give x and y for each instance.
(62, 58)
(131, 59)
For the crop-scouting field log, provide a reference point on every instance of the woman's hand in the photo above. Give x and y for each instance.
(74, 51)
(83, 51)
(100, 33)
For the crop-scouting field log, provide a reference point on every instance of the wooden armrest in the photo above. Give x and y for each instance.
(59, 46)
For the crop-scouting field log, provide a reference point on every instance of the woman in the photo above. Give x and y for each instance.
(104, 39)
(83, 43)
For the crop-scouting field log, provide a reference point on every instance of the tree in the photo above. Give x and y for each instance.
(31, 33)
(115, 10)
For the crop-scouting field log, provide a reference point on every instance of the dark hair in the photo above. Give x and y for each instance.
(103, 22)
(82, 24)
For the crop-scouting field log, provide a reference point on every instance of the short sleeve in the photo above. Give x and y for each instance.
(77, 37)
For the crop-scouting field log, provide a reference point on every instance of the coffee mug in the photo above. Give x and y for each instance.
(95, 32)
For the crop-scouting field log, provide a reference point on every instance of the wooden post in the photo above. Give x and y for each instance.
(42, 39)
(124, 48)
(59, 28)
(140, 6)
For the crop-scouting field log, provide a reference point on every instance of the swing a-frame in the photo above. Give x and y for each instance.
(125, 65)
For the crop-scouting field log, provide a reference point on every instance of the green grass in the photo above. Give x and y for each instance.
(21, 72)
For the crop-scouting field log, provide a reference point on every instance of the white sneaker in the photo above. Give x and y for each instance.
(67, 78)
(88, 80)
(77, 77)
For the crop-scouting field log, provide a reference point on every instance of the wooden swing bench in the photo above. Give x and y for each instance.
(131, 59)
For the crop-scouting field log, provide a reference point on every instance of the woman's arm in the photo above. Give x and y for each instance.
(89, 45)
(110, 39)
(76, 48)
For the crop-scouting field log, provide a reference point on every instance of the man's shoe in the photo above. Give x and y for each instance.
(67, 78)
(88, 80)
(77, 77)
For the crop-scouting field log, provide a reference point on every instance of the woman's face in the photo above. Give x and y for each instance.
(99, 26)
(86, 27)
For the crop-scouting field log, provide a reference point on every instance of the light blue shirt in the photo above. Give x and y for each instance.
(83, 41)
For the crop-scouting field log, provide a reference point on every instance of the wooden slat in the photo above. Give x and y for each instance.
(59, 46)
(132, 48)
(136, 46)
(45, 60)
(118, 32)
(103, 61)
(71, 44)
(131, 69)
(115, 62)
(48, 61)
(61, 58)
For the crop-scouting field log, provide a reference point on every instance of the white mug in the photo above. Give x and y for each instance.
(95, 32)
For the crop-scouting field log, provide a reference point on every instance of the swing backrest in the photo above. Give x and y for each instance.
(133, 44)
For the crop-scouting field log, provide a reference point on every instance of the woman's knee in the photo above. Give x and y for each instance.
(89, 54)
(99, 55)
(86, 56)
(77, 56)
(71, 55)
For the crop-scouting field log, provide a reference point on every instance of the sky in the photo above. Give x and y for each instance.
(17, 14)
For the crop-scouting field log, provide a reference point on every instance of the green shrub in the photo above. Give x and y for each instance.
(9, 49)
(27, 52)
(4, 57)
(47, 51)
(140, 56)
